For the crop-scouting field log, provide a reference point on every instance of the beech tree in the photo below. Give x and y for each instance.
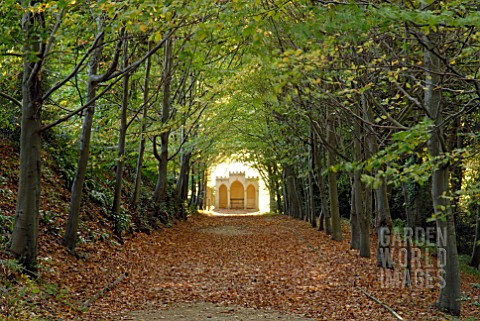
(25, 234)
(93, 80)
(344, 108)
(41, 22)
(388, 88)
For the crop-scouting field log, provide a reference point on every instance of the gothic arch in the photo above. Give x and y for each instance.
(251, 197)
(222, 196)
(237, 195)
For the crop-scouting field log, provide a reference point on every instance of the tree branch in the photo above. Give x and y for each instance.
(137, 63)
(103, 291)
(59, 84)
(11, 54)
(187, 135)
(88, 104)
(54, 31)
(155, 150)
(389, 309)
(12, 99)
(114, 64)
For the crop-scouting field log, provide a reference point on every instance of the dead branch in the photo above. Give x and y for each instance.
(395, 314)
(103, 291)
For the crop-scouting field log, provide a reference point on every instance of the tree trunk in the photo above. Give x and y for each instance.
(456, 177)
(325, 209)
(358, 187)
(141, 148)
(332, 182)
(368, 206)
(280, 197)
(362, 214)
(354, 220)
(160, 193)
(383, 225)
(271, 187)
(202, 187)
(183, 177)
(423, 205)
(25, 232)
(305, 200)
(311, 198)
(311, 179)
(407, 201)
(449, 297)
(408, 232)
(383, 218)
(70, 238)
(300, 193)
(319, 162)
(117, 196)
(293, 203)
(193, 186)
(475, 259)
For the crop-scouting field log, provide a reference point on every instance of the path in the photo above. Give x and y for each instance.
(264, 263)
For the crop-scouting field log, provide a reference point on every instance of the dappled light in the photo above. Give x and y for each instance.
(251, 160)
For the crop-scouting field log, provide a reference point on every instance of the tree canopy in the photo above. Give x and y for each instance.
(360, 109)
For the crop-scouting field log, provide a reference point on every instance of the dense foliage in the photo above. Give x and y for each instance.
(361, 109)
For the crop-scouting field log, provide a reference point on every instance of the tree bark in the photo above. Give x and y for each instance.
(423, 204)
(325, 209)
(141, 148)
(183, 176)
(293, 203)
(25, 232)
(280, 197)
(271, 187)
(408, 232)
(285, 195)
(319, 160)
(475, 259)
(202, 187)
(305, 203)
(449, 297)
(311, 200)
(354, 220)
(193, 185)
(117, 196)
(332, 182)
(160, 193)
(311, 179)
(383, 218)
(362, 216)
(456, 173)
(383, 225)
(70, 238)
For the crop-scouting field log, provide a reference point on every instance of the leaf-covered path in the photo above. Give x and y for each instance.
(262, 262)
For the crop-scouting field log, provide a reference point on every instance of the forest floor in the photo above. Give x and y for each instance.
(210, 267)
(269, 267)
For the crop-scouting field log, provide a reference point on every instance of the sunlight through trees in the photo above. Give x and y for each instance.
(364, 111)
